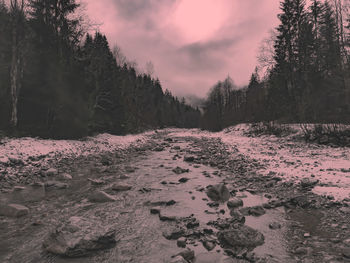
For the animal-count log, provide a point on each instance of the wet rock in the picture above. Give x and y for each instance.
(121, 187)
(166, 216)
(173, 233)
(242, 237)
(101, 197)
(79, 237)
(56, 184)
(179, 170)
(253, 211)
(183, 180)
(96, 181)
(51, 172)
(346, 252)
(13, 210)
(209, 244)
(181, 242)
(218, 193)
(178, 259)
(189, 158)
(65, 176)
(274, 225)
(234, 203)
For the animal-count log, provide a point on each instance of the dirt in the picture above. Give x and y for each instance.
(297, 224)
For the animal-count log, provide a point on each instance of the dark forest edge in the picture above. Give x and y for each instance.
(59, 82)
(307, 74)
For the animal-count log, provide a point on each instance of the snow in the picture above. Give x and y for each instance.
(22, 148)
(289, 159)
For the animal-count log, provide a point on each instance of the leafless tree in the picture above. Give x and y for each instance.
(119, 56)
(266, 53)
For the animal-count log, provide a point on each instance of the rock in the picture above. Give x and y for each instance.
(18, 188)
(101, 197)
(179, 170)
(15, 161)
(193, 223)
(178, 259)
(242, 237)
(301, 251)
(308, 183)
(79, 237)
(181, 242)
(121, 187)
(209, 244)
(300, 200)
(346, 252)
(166, 216)
(173, 233)
(189, 158)
(155, 210)
(274, 225)
(56, 184)
(218, 192)
(13, 210)
(96, 181)
(237, 216)
(183, 180)
(65, 176)
(234, 203)
(187, 254)
(158, 149)
(51, 172)
(253, 211)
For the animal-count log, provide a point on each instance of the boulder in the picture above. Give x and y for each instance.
(218, 193)
(101, 197)
(13, 210)
(234, 203)
(173, 233)
(242, 237)
(51, 172)
(121, 187)
(189, 158)
(79, 237)
(178, 259)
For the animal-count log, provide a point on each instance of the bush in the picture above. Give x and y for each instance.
(269, 128)
(327, 134)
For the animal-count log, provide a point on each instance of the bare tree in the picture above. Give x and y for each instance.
(16, 72)
(119, 56)
(266, 53)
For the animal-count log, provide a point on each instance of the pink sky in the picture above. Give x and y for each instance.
(192, 43)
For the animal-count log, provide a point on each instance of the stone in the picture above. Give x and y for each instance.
(173, 233)
(300, 200)
(187, 254)
(101, 197)
(179, 170)
(346, 252)
(189, 158)
(218, 193)
(308, 183)
(181, 242)
(79, 237)
(183, 180)
(13, 210)
(56, 184)
(158, 149)
(166, 216)
(178, 259)
(155, 210)
(242, 237)
(234, 203)
(121, 187)
(274, 225)
(96, 181)
(209, 244)
(253, 211)
(51, 172)
(65, 176)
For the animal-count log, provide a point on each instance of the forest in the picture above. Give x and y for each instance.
(303, 75)
(58, 80)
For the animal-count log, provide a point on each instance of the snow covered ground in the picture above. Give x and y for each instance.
(23, 148)
(290, 159)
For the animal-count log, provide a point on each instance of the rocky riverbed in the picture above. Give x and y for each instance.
(172, 197)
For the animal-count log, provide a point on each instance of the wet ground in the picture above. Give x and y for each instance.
(140, 234)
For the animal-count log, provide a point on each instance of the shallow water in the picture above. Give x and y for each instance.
(139, 233)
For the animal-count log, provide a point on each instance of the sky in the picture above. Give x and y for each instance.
(191, 43)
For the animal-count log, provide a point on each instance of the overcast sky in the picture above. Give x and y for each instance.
(192, 43)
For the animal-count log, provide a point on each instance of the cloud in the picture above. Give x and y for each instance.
(189, 52)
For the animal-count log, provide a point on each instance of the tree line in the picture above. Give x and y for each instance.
(306, 71)
(58, 81)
